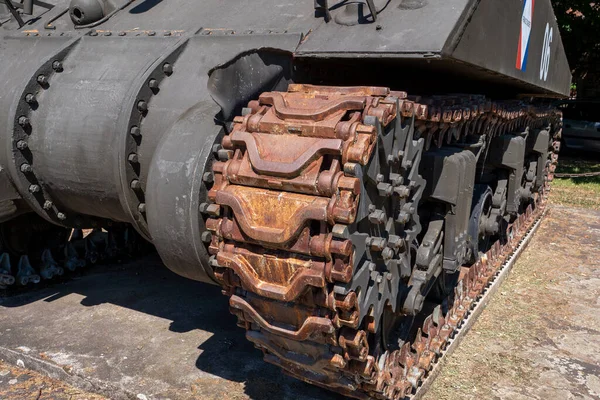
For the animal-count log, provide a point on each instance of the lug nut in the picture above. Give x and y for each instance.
(47, 205)
(57, 66)
(24, 121)
(34, 188)
(377, 217)
(26, 168)
(142, 208)
(142, 106)
(21, 145)
(385, 189)
(135, 184)
(153, 84)
(133, 158)
(61, 216)
(42, 80)
(135, 131)
(168, 69)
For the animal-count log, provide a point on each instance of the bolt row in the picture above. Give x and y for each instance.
(22, 145)
(136, 134)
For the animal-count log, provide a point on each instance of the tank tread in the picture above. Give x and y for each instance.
(57, 251)
(283, 212)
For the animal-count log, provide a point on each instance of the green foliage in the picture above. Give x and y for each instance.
(579, 22)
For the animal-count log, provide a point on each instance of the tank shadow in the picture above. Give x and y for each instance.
(146, 286)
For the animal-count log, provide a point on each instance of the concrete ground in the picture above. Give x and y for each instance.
(139, 331)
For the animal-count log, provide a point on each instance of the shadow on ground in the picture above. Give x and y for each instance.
(194, 310)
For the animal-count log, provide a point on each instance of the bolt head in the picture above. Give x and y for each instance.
(57, 66)
(133, 158)
(167, 69)
(47, 205)
(142, 208)
(206, 237)
(34, 188)
(61, 216)
(153, 84)
(22, 145)
(25, 168)
(142, 106)
(135, 131)
(151, 33)
(24, 121)
(135, 184)
(42, 80)
(30, 98)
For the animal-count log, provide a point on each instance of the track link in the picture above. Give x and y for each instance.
(287, 217)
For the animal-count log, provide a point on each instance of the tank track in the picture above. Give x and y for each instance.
(44, 252)
(313, 219)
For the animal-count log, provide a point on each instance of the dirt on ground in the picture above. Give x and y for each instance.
(539, 338)
(18, 383)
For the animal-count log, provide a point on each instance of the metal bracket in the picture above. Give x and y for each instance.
(14, 12)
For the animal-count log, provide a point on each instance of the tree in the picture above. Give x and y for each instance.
(579, 23)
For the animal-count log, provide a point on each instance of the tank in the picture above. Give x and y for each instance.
(354, 175)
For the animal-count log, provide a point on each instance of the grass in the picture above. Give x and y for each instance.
(578, 192)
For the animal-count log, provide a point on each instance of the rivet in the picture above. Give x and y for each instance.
(135, 131)
(61, 216)
(133, 158)
(22, 145)
(107, 33)
(151, 33)
(24, 121)
(34, 188)
(25, 168)
(167, 33)
(30, 98)
(57, 66)
(94, 33)
(167, 69)
(42, 80)
(142, 106)
(142, 208)
(47, 205)
(135, 184)
(122, 33)
(153, 84)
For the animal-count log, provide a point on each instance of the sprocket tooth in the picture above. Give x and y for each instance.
(49, 267)
(72, 260)
(25, 272)
(6, 277)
